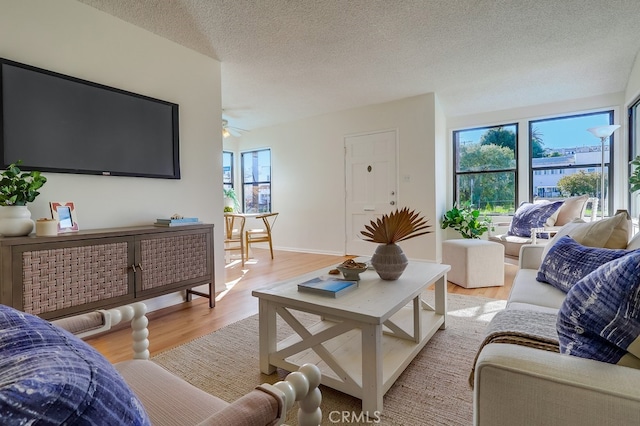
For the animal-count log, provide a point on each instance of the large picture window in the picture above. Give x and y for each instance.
(485, 168)
(256, 181)
(566, 159)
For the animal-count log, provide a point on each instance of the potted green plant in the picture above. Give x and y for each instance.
(231, 200)
(389, 260)
(17, 188)
(466, 220)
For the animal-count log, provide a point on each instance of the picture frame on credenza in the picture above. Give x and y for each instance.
(65, 213)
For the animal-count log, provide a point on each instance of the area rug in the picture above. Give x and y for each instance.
(433, 390)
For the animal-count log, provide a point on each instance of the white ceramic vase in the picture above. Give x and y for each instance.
(228, 202)
(389, 261)
(15, 221)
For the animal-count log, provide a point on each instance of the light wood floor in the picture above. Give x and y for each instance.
(179, 324)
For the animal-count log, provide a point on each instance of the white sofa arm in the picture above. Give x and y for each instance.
(530, 256)
(518, 385)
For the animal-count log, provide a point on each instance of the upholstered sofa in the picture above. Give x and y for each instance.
(49, 376)
(524, 384)
(541, 215)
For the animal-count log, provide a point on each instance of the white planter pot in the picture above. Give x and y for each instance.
(15, 221)
(228, 202)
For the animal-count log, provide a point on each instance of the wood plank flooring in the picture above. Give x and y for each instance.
(182, 323)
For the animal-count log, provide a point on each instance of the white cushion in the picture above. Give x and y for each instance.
(634, 244)
(611, 232)
(571, 209)
(527, 290)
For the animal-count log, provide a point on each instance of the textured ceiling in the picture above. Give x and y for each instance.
(288, 59)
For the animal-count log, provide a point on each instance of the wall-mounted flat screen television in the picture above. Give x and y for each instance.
(57, 123)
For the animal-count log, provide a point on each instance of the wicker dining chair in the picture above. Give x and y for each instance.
(234, 234)
(263, 234)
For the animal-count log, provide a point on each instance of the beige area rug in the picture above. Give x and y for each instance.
(433, 390)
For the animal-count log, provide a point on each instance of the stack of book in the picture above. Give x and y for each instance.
(177, 222)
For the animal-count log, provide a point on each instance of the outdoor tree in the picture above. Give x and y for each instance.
(507, 138)
(537, 146)
(500, 137)
(580, 183)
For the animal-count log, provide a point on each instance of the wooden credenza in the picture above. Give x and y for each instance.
(72, 273)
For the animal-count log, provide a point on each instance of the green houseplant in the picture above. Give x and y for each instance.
(466, 220)
(389, 260)
(17, 188)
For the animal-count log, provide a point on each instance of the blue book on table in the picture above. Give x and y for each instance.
(181, 220)
(328, 287)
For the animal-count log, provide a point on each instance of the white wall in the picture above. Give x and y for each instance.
(633, 86)
(308, 165)
(72, 38)
(308, 172)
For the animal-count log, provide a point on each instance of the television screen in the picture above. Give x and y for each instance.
(57, 123)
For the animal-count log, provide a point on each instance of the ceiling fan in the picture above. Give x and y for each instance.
(231, 130)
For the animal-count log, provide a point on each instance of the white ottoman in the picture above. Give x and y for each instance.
(474, 263)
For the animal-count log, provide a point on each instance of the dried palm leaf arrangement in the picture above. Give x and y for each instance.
(396, 226)
(388, 260)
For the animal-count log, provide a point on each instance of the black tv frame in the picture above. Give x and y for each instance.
(174, 111)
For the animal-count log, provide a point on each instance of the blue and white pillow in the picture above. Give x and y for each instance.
(50, 377)
(568, 261)
(600, 317)
(532, 216)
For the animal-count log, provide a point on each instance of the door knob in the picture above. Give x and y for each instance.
(393, 203)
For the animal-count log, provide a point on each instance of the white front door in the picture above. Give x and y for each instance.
(371, 184)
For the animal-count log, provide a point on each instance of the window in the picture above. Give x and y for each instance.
(570, 157)
(634, 150)
(256, 181)
(227, 169)
(485, 168)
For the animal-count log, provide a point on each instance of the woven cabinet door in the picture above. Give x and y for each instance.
(67, 278)
(173, 260)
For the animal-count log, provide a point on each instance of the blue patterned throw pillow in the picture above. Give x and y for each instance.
(600, 317)
(50, 377)
(531, 216)
(568, 261)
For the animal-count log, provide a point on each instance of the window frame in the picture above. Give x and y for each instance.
(609, 166)
(256, 183)
(633, 117)
(456, 160)
(231, 183)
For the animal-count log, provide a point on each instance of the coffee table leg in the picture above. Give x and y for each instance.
(441, 299)
(267, 334)
(372, 386)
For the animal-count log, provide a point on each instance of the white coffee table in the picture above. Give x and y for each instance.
(364, 339)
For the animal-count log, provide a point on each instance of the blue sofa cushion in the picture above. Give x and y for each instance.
(600, 317)
(529, 216)
(568, 261)
(50, 377)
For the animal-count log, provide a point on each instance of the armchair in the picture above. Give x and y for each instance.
(80, 382)
(573, 208)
